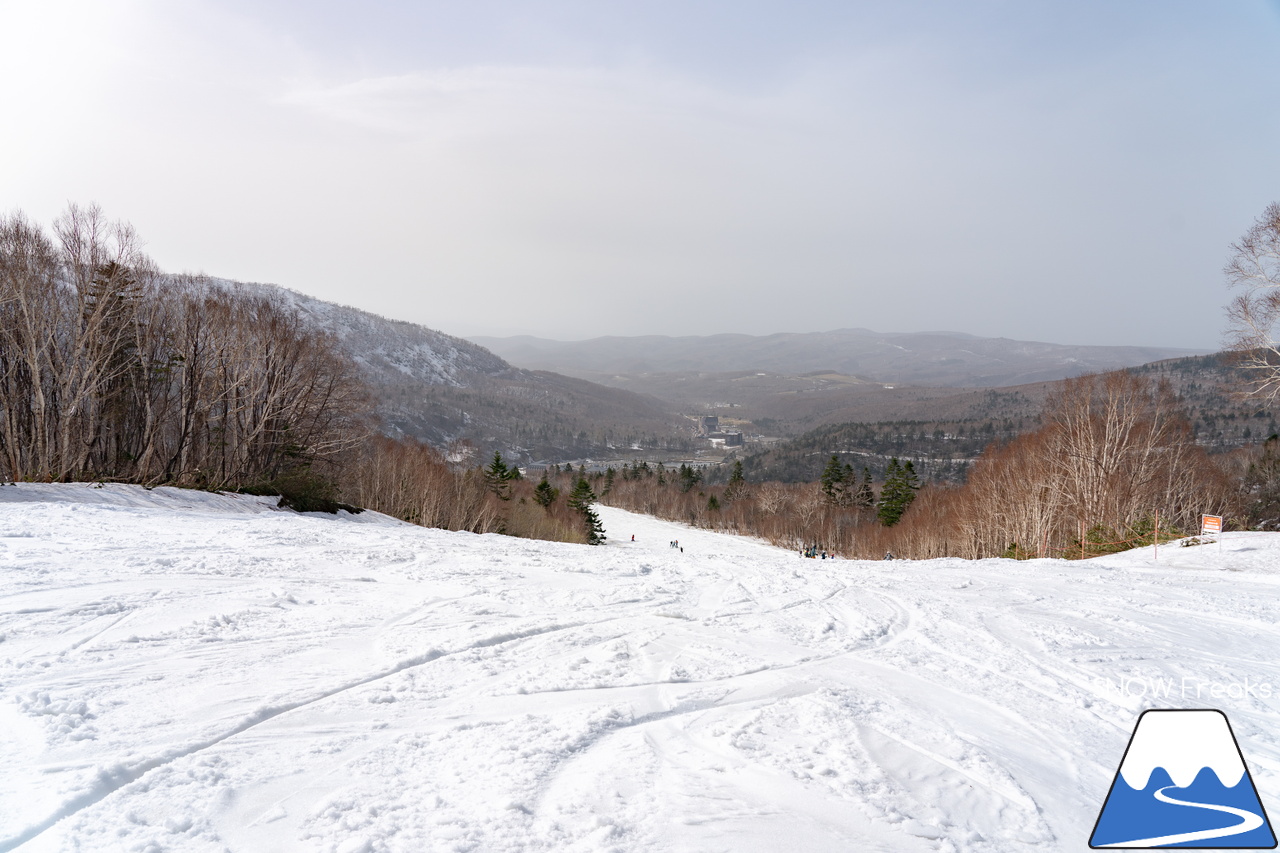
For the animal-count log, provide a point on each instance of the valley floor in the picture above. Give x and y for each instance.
(184, 671)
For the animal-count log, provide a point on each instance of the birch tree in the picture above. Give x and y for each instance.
(1254, 272)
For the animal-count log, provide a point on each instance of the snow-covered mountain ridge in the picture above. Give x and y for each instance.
(383, 344)
(441, 389)
(183, 671)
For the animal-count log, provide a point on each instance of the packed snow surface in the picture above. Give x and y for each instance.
(184, 671)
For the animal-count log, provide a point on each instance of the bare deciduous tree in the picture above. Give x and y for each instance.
(1114, 450)
(111, 370)
(1254, 269)
(29, 307)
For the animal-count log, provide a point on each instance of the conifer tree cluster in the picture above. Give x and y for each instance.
(839, 485)
(900, 486)
(689, 477)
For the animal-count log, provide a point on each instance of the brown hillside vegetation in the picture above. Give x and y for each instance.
(413, 482)
(1114, 455)
(946, 435)
(111, 370)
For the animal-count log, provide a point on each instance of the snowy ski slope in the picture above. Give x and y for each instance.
(184, 671)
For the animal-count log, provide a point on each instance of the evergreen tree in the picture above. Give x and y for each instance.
(713, 505)
(900, 484)
(737, 483)
(544, 494)
(836, 482)
(498, 477)
(608, 482)
(689, 477)
(912, 481)
(580, 501)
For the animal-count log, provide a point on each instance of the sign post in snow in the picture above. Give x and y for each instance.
(1210, 525)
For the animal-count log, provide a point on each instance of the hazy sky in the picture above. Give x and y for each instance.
(1069, 171)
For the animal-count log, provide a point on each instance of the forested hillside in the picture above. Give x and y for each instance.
(940, 450)
(1213, 392)
(1209, 390)
(110, 369)
(447, 391)
(113, 370)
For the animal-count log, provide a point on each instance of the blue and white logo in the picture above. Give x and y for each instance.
(1183, 783)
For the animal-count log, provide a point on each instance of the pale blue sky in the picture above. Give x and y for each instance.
(1068, 171)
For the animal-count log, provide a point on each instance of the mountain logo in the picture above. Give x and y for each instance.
(1183, 783)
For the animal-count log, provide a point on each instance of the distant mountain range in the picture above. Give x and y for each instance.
(948, 359)
(619, 397)
(449, 391)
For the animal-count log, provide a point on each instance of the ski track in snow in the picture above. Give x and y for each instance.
(182, 671)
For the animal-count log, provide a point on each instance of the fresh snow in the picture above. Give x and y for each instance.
(186, 671)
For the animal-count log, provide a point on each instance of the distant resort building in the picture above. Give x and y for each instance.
(709, 428)
(725, 439)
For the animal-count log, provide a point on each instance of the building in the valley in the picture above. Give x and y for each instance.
(725, 439)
